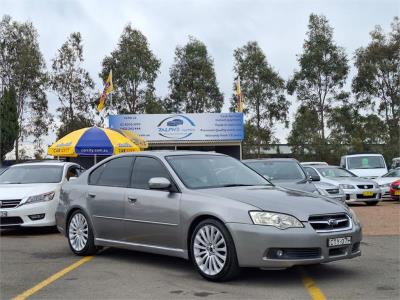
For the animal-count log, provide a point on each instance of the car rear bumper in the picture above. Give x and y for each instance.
(255, 245)
(25, 215)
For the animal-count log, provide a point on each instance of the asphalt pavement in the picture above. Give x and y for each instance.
(29, 256)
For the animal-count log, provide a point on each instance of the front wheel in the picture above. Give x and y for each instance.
(80, 235)
(213, 251)
(372, 203)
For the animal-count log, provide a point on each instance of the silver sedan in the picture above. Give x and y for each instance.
(209, 208)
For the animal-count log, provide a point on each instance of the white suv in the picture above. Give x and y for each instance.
(369, 165)
(29, 192)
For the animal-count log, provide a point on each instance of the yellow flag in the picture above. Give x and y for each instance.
(239, 96)
(108, 88)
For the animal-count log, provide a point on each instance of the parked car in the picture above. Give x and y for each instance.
(209, 208)
(395, 190)
(312, 163)
(288, 173)
(368, 165)
(385, 181)
(355, 188)
(29, 192)
(395, 163)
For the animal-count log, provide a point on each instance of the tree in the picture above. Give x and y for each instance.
(263, 93)
(323, 72)
(73, 86)
(22, 67)
(377, 82)
(135, 68)
(8, 122)
(303, 137)
(193, 84)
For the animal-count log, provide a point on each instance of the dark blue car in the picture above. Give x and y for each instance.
(175, 122)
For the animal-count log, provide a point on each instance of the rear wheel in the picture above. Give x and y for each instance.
(372, 203)
(213, 251)
(80, 235)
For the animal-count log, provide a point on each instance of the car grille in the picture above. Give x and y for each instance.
(294, 253)
(9, 203)
(361, 196)
(329, 223)
(365, 186)
(333, 191)
(10, 221)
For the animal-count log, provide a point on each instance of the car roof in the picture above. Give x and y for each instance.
(44, 163)
(362, 154)
(269, 159)
(164, 153)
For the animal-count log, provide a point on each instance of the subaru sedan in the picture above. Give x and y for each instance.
(208, 208)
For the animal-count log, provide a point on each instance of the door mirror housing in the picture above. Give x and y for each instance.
(159, 183)
(315, 178)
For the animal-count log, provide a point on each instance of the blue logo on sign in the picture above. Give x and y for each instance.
(176, 127)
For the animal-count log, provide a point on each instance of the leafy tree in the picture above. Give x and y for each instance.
(135, 68)
(73, 86)
(377, 82)
(22, 67)
(8, 122)
(193, 84)
(303, 137)
(323, 72)
(263, 93)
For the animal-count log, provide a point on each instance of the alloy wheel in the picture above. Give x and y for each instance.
(78, 232)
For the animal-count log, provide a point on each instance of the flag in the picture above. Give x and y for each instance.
(239, 96)
(108, 88)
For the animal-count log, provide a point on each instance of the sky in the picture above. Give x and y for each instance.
(279, 26)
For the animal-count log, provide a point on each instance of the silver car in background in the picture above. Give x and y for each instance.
(356, 189)
(209, 208)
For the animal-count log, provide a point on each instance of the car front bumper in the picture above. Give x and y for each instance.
(22, 215)
(254, 244)
(357, 195)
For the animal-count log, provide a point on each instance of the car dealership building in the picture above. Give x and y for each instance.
(219, 132)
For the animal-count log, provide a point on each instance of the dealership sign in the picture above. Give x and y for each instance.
(188, 127)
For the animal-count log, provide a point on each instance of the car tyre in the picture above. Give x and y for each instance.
(80, 234)
(372, 203)
(213, 252)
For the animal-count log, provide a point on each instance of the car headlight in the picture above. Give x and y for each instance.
(354, 216)
(40, 198)
(277, 220)
(385, 185)
(346, 186)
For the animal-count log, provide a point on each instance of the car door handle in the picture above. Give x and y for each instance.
(132, 200)
(91, 195)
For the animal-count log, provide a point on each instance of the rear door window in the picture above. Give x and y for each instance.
(116, 172)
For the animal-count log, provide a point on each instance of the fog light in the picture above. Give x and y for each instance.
(36, 217)
(279, 253)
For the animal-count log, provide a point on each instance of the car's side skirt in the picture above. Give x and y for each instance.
(143, 247)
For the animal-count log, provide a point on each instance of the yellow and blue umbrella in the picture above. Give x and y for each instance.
(92, 141)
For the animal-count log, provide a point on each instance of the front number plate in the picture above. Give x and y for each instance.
(397, 193)
(340, 241)
(368, 194)
(3, 213)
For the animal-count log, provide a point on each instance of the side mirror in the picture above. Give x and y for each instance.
(159, 183)
(315, 178)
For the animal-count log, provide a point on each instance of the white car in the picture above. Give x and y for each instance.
(369, 165)
(385, 180)
(29, 192)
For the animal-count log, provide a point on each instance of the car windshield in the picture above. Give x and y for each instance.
(278, 170)
(335, 172)
(393, 173)
(213, 171)
(32, 174)
(366, 162)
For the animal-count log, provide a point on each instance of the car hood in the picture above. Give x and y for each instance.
(277, 199)
(352, 180)
(384, 180)
(21, 191)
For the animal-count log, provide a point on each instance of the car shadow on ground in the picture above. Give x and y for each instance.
(248, 276)
(28, 231)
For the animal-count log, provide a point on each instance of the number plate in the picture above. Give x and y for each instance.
(397, 193)
(340, 241)
(368, 194)
(3, 213)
